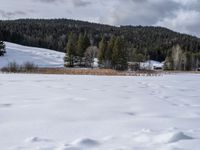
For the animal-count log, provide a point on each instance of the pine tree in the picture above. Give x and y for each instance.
(80, 48)
(86, 43)
(188, 64)
(109, 51)
(102, 51)
(119, 59)
(82, 45)
(2, 48)
(70, 50)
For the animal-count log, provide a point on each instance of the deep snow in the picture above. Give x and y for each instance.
(57, 112)
(39, 56)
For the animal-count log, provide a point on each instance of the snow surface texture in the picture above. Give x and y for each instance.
(39, 56)
(57, 112)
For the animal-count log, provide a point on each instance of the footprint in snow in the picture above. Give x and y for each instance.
(78, 99)
(86, 142)
(37, 139)
(81, 144)
(5, 105)
(130, 113)
(172, 137)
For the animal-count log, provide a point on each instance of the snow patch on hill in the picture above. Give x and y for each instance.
(39, 56)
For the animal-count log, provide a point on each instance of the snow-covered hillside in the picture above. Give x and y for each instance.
(57, 112)
(40, 57)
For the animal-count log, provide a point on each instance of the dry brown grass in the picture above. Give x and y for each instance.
(77, 71)
(179, 72)
(107, 72)
(99, 72)
(33, 69)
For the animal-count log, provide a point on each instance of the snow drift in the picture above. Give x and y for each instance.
(58, 112)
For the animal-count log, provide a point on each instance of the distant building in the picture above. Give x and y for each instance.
(133, 66)
(151, 65)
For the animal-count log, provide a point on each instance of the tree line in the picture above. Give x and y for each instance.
(110, 54)
(2, 48)
(178, 59)
(54, 33)
(139, 43)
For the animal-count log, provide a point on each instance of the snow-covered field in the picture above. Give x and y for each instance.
(57, 112)
(39, 56)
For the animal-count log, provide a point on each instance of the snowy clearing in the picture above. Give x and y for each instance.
(39, 56)
(56, 112)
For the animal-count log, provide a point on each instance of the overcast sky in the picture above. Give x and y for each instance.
(178, 15)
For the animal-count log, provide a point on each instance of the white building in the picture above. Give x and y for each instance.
(151, 65)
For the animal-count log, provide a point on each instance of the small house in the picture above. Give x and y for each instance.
(151, 65)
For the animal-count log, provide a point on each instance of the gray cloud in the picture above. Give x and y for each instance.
(185, 21)
(179, 15)
(11, 14)
(139, 1)
(142, 12)
(81, 3)
(48, 1)
(76, 3)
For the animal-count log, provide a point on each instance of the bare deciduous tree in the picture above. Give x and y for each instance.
(90, 54)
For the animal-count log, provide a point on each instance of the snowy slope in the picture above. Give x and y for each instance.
(41, 57)
(57, 112)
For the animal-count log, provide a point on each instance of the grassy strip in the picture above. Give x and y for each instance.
(31, 68)
(107, 72)
(99, 72)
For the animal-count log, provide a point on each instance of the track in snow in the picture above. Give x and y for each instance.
(58, 112)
